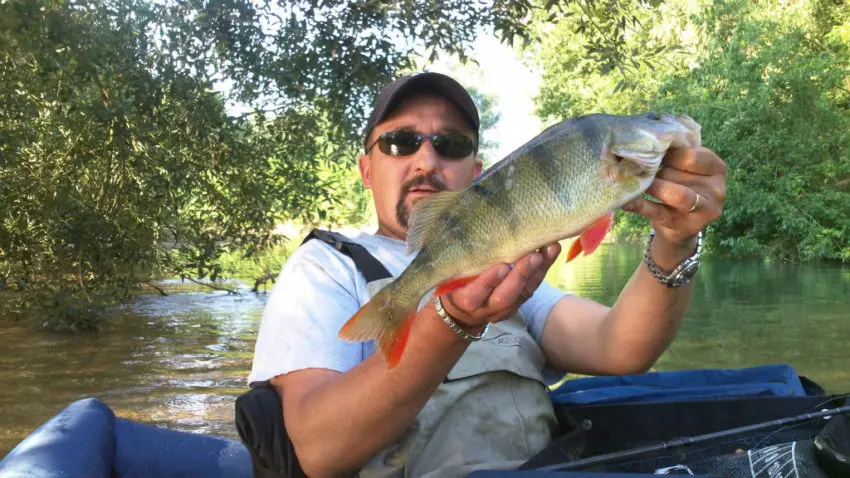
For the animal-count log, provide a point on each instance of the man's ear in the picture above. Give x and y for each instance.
(365, 171)
(479, 165)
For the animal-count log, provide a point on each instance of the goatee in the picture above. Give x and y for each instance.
(402, 212)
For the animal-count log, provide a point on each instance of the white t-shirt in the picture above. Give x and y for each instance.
(319, 289)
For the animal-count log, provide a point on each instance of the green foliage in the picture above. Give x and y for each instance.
(769, 84)
(603, 29)
(261, 267)
(144, 137)
(115, 161)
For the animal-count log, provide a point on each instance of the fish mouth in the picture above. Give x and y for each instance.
(641, 162)
(645, 142)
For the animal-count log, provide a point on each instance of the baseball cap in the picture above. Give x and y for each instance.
(425, 82)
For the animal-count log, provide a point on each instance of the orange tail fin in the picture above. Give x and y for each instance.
(394, 348)
(590, 239)
(388, 324)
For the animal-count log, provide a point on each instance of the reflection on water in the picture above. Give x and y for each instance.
(180, 361)
(742, 313)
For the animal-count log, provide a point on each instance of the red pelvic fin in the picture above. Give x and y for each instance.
(590, 239)
(575, 250)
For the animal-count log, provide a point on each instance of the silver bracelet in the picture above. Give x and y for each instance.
(438, 306)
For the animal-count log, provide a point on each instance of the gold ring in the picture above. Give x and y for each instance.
(695, 204)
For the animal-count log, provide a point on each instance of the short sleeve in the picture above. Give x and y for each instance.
(536, 309)
(315, 294)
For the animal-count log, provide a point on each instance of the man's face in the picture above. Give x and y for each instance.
(398, 182)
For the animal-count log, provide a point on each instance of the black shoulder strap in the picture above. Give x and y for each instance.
(371, 268)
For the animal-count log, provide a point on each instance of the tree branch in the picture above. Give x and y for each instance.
(255, 111)
(262, 280)
(161, 292)
(211, 286)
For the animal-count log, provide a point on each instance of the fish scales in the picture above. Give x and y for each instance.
(501, 226)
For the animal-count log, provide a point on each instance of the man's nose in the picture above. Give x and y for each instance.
(427, 158)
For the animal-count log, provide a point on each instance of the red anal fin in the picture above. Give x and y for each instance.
(591, 237)
(392, 347)
(453, 284)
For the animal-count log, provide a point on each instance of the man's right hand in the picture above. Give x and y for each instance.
(499, 291)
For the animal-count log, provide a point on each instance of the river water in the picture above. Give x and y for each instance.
(180, 361)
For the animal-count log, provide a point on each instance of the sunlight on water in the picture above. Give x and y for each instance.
(180, 361)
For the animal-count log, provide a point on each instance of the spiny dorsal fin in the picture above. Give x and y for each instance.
(425, 218)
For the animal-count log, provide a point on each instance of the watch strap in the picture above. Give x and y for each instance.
(677, 277)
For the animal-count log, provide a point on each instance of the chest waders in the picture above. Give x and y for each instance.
(492, 408)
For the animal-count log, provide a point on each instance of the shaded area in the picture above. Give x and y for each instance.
(181, 360)
(177, 361)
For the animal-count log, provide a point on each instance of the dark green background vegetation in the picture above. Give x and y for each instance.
(770, 84)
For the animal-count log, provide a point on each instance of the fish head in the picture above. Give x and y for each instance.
(637, 144)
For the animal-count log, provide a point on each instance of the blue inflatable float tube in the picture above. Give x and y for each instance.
(86, 439)
(560, 474)
(768, 380)
(77, 442)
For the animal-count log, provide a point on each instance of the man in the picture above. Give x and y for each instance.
(455, 403)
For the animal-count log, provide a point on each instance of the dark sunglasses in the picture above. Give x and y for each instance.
(452, 145)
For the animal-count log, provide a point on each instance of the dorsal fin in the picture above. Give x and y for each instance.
(425, 218)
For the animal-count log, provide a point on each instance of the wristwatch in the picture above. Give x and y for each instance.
(682, 274)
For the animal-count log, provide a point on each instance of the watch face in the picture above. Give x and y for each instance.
(688, 271)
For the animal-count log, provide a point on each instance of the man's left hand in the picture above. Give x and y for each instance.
(691, 188)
